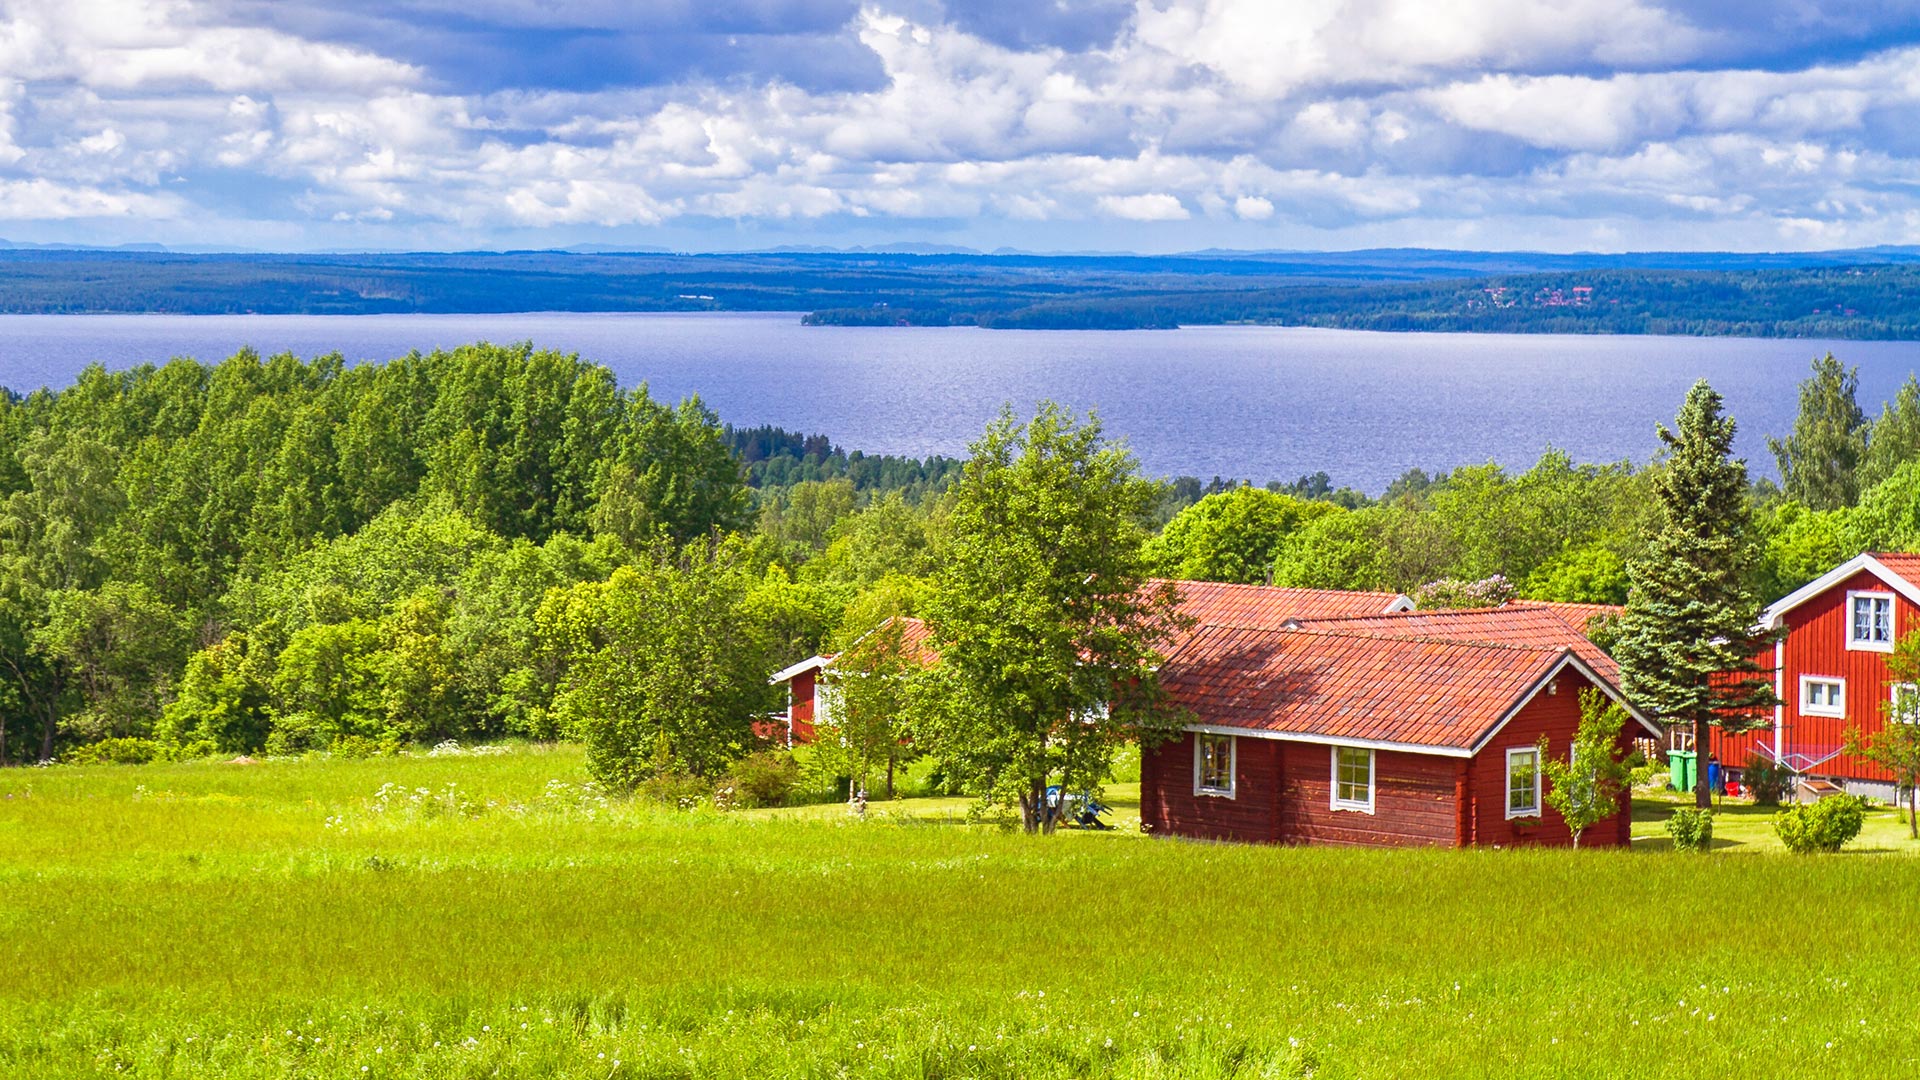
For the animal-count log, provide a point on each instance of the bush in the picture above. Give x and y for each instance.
(116, 752)
(678, 789)
(765, 779)
(1769, 782)
(1823, 826)
(1691, 829)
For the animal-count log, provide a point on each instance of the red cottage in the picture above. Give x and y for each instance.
(1306, 736)
(806, 701)
(1831, 670)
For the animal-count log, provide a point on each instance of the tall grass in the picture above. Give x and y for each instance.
(280, 920)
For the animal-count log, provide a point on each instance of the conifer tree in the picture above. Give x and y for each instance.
(1688, 641)
(1820, 461)
(1894, 439)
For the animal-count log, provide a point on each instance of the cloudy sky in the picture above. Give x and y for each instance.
(1150, 125)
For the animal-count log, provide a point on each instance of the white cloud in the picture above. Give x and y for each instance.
(44, 200)
(1253, 208)
(1157, 206)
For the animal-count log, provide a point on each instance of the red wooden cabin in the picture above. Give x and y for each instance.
(808, 700)
(1830, 669)
(1370, 737)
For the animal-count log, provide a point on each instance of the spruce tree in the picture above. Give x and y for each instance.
(1688, 644)
(1894, 439)
(1820, 461)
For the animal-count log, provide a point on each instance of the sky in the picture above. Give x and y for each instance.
(1043, 125)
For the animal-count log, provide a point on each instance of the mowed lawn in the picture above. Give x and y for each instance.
(281, 920)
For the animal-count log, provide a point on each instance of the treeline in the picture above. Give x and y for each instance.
(1865, 302)
(776, 459)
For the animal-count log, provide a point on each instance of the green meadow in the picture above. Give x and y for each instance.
(489, 915)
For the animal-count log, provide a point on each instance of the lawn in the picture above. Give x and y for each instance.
(287, 920)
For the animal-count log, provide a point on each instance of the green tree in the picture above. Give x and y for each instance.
(328, 686)
(664, 669)
(1338, 551)
(1585, 789)
(1896, 746)
(1586, 574)
(1799, 545)
(867, 727)
(1894, 439)
(1820, 461)
(223, 704)
(1888, 517)
(1687, 642)
(1043, 618)
(1231, 536)
(119, 645)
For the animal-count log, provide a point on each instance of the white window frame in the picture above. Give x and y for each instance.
(1893, 698)
(1233, 766)
(1833, 711)
(1507, 798)
(1333, 789)
(1858, 644)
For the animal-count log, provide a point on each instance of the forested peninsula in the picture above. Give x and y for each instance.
(1865, 294)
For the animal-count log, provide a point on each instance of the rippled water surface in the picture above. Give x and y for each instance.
(1260, 402)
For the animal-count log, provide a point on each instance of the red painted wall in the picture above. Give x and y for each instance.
(1816, 644)
(1283, 794)
(800, 705)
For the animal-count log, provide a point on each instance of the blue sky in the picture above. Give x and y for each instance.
(1155, 125)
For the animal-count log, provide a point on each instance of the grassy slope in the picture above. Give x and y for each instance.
(181, 921)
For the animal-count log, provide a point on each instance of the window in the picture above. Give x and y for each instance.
(1870, 621)
(1352, 779)
(1523, 782)
(1213, 764)
(1823, 697)
(1906, 703)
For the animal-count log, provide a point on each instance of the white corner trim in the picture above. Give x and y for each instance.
(1398, 604)
(1512, 751)
(1334, 800)
(1233, 767)
(1770, 619)
(1855, 644)
(809, 664)
(1838, 712)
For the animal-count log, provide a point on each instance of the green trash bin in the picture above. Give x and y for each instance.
(1681, 769)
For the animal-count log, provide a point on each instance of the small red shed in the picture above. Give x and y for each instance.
(809, 701)
(1302, 736)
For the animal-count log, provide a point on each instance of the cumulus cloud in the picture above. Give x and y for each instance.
(1502, 123)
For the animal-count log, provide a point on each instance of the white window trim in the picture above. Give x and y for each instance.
(1893, 698)
(1855, 644)
(1507, 798)
(1832, 711)
(1233, 767)
(1333, 789)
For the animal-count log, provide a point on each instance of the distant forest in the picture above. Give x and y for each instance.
(1869, 294)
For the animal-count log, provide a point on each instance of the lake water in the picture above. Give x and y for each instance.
(1255, 402)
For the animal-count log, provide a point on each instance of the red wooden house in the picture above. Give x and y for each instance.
(1831, 670)
(1374, 736)
(808, 701)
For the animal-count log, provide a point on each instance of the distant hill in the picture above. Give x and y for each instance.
(1865, 293)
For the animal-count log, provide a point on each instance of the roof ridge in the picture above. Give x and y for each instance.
(1422, 638)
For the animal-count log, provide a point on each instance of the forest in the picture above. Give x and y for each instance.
(275, 556)
(1865, 294)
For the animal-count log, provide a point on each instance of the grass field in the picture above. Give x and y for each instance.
(283, 920)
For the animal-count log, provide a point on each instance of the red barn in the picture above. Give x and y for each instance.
(1303, 736)
(1831, 669)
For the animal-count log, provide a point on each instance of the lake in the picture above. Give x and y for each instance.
(1238, 401)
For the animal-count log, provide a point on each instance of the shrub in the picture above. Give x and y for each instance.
(679, 789)
(766, 778)
(1769, 782)
(116, 752)
(1691, 829)
(1823, 826)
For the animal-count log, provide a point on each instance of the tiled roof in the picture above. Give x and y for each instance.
(1218, 603)
(1580, 615)
(1418, 692)
(1538, 625)
(1905, 564)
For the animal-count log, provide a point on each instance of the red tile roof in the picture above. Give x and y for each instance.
(1443, 695)
(1902, 563)
(1580, 615)
(1218, 603)
(1541, 625)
